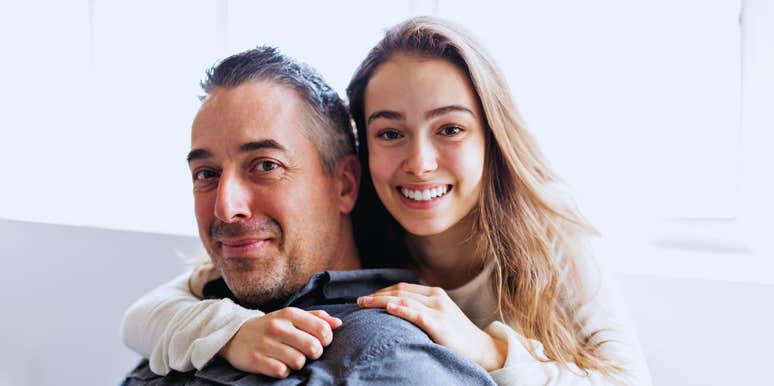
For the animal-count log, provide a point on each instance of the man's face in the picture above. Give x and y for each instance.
(268, 214)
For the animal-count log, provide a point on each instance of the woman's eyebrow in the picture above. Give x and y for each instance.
(395, 115)
(386, 114)
(447, 109)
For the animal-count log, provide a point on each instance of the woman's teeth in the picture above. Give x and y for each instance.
(425, 195)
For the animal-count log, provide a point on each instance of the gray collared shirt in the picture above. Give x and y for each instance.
(370, 348)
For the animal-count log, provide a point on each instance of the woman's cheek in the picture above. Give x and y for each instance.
(469, 164)
(380, 167)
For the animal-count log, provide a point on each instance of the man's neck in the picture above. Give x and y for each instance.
(347, 257)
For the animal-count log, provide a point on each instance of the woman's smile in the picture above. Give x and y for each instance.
(423, 196)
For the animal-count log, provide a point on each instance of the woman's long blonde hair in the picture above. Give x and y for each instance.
(533, 239)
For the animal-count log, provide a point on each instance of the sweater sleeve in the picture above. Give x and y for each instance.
(605, 312)
(177, 331)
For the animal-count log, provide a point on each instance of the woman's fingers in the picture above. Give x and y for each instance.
(286, 354)
(410, 287)
(318, 327)
(256, 347)
(381, 300)
(302, 331)
(282, 340)
(404, 307)
(332, 321)
(432, 310)
(268, 366)
(439, 301)
(418, 316)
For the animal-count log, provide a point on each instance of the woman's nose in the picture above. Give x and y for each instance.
(421, 158)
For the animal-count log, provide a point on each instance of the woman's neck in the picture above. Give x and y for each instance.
(449, 259)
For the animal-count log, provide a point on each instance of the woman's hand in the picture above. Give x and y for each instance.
(274, 343)
(433, 311)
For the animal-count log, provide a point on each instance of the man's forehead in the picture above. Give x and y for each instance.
(255, 112)
(254, 100)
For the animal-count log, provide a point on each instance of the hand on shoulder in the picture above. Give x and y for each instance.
(279, 341)
(432, 310)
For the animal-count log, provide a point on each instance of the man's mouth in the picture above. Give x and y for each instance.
(425, 193)
(241, 242)
(239, 247)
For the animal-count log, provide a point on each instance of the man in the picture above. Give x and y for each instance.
(275, 178)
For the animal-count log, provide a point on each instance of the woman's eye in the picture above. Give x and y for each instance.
(450, 130)
(267, 166)
(389, 134)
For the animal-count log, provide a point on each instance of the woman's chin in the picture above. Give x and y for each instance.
(425, 228)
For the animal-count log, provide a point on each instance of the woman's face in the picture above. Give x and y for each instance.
(425, 142)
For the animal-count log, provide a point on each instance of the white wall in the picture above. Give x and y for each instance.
(656, 113)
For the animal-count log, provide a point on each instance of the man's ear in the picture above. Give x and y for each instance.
(348, 182)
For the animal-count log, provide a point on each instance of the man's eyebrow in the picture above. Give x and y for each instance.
(447, 109)
(387, 114)
(197, 154)
(262, 144)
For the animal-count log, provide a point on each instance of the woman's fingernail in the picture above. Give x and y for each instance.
(364, 299)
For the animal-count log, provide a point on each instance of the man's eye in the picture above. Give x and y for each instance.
(203, 175)
(389, 135)
(267, 166)
(450, 130)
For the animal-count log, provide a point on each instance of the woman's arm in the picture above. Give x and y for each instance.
(176, 330)
(605, 311)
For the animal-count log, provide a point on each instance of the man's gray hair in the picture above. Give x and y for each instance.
(332, 131)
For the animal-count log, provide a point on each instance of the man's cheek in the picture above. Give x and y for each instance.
(204, 218)
(203, 209)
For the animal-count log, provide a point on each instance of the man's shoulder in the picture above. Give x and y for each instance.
(374, 347)
(366, 332)
(142, 375)
(371, 347)
(365, 335)
(363, 321)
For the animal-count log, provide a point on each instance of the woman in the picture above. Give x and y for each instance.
(456, 184)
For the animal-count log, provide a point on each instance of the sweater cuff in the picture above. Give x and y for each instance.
(206, 348)
(519, 363)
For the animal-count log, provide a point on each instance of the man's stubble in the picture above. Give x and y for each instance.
(256, 281)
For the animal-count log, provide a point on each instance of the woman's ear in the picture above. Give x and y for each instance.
(348, 177)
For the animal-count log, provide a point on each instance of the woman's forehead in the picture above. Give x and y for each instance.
(418, 83)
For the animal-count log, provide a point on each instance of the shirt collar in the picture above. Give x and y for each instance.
(327, 287)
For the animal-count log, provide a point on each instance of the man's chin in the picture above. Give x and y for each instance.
(266, 299)
(253, 287)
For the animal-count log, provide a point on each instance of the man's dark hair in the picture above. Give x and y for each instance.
(331, 131)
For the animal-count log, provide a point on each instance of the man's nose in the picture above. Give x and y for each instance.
(232, 202)
(421, 158)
